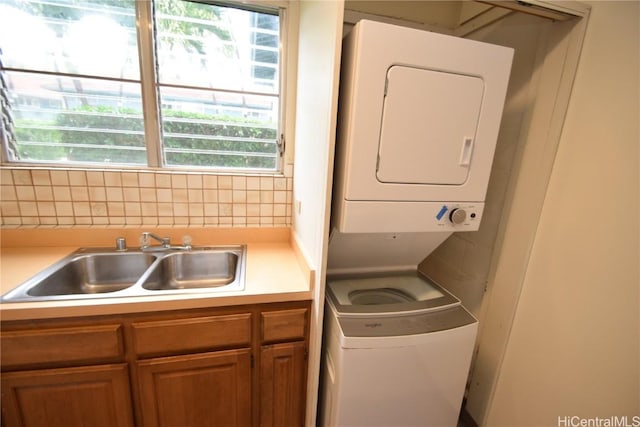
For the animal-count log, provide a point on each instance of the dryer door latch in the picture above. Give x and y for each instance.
(465, 153)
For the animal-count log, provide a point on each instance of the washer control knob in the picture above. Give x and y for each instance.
(458, 216)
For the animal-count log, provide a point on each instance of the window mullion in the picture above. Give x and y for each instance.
(144, 17)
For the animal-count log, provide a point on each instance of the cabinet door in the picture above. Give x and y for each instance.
(207, 389)
(96, 396)
(283, 381)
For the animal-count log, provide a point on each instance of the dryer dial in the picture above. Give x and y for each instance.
(458, 216)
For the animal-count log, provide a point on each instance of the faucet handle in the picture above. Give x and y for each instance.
(144, 240)
(186, 241)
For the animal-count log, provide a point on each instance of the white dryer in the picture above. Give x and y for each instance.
(397, 352)
(419, 115)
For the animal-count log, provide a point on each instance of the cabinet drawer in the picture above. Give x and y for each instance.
(199, 333)
(284, 325)
(59, 345)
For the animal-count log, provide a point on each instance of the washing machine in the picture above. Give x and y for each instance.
(397, 352)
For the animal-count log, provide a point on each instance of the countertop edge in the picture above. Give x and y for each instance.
(34, 311)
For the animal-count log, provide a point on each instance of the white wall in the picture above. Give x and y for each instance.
(573, 349)
(319, 47)
(318, 67)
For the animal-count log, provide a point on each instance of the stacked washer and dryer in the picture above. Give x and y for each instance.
(419, 115)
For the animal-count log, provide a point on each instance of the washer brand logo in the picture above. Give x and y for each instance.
(373, 325)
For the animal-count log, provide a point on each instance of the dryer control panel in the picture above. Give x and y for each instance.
(459, 215)
(408, 217)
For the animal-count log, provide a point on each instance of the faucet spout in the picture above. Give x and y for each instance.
(145, 240)
(165, 243)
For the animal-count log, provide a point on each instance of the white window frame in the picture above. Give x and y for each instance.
(287, 12)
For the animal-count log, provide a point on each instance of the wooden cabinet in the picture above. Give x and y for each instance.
(232, 366)
(282, 384)
(59, 346)
(206, 389)
(97, 394)
(284, 325)
(191, 334)
(87, 396)
(283, 367)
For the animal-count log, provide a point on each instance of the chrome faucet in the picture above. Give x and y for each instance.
(145, 243)
(165, 243)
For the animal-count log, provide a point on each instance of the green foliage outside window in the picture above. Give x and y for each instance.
(85, 135)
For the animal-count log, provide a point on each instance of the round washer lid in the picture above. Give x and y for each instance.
(386, 293)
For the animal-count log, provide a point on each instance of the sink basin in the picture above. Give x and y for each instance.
(192, 270)
(93, 274)
(103, 273)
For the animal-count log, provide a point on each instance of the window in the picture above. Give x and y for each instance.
(193, 85)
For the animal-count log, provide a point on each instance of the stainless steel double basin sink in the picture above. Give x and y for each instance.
(106, 273)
